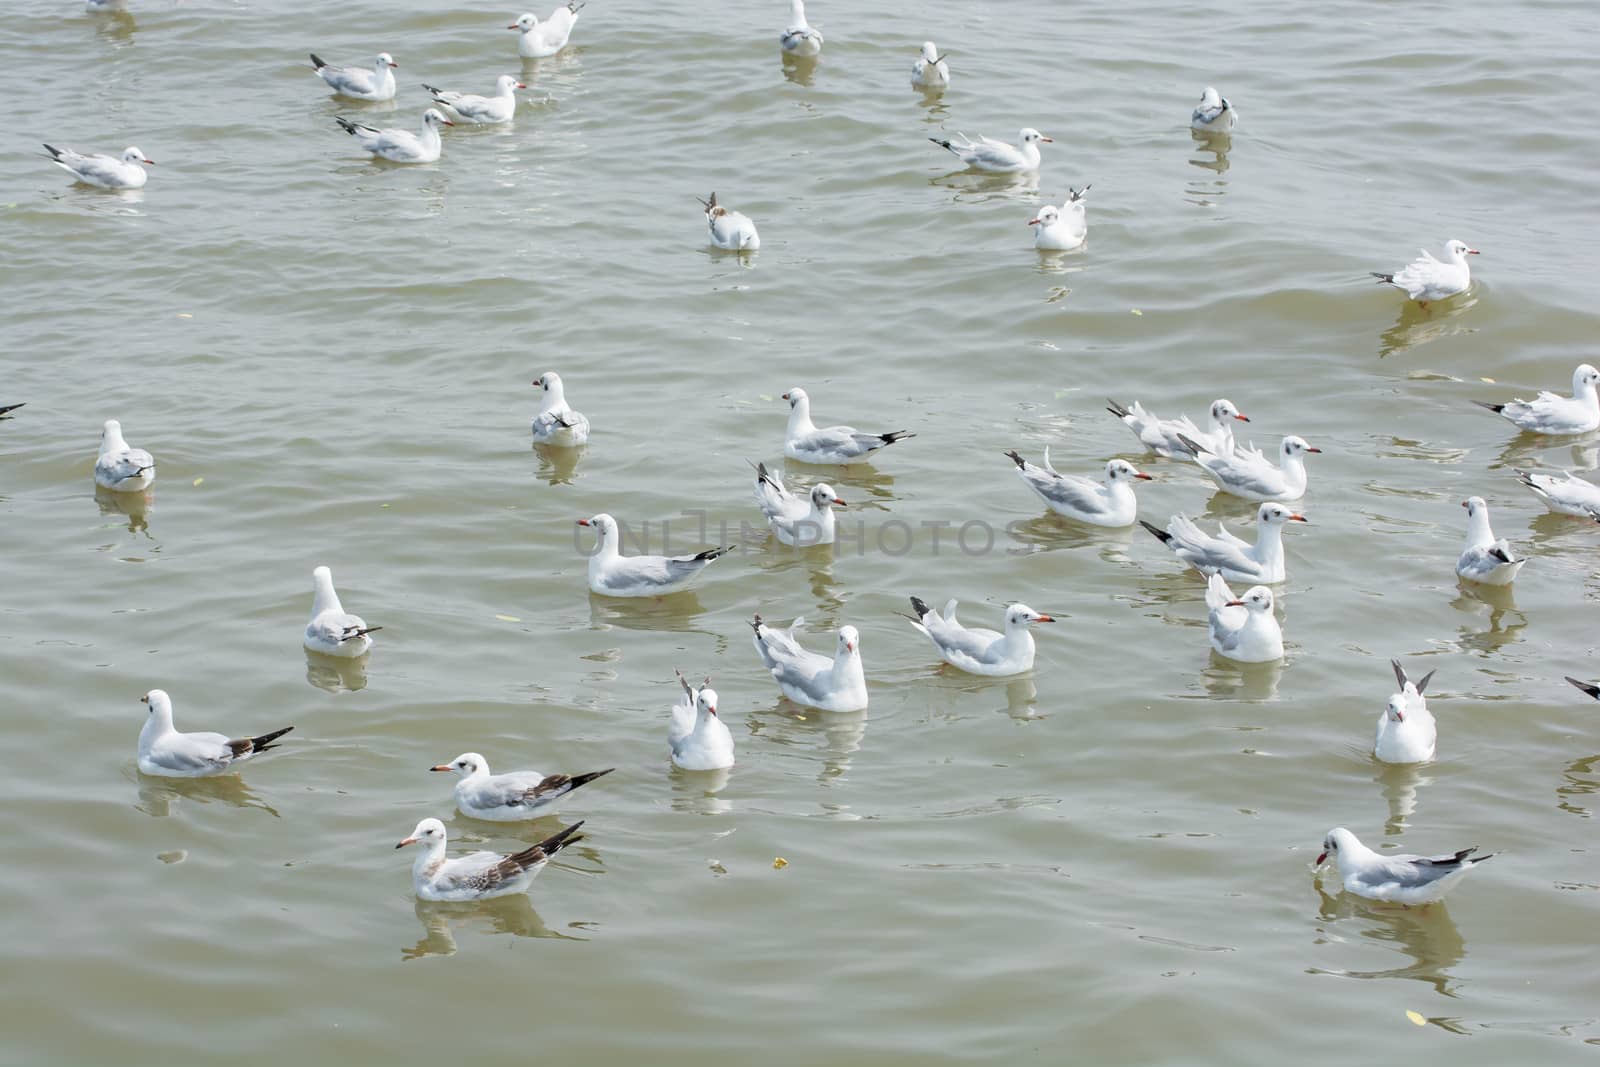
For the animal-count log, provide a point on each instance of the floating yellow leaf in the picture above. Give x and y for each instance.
(508, 618)
(1489, 380)
(1417, 1017)
(779, 864)
(197, 481)
(1136, 311)
(184, 315)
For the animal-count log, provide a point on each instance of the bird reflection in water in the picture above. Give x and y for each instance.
(335, 674)
(1426, 934)
(160, 797)
(135, 506)
(1048, 532)
(1226, 679)
(1582, 780)
(1417, 326)
(512, 915)
(791, 725)
(1534, 451)
(558, 466)
(800, 70)
(1211, 153)
(1505, 621)
(695, 792)
(1400, 782)
(675, 611)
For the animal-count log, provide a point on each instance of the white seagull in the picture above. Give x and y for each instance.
(730, 229)
(401, 146)
(167, 753)
(1061, 229)
(1215, 114)
(836, 684)
(1232, 557)
(481, 110)
(359, 83)
(1485, 559)
(479, 875)
(697, 737)
(541, 39)
(979, 651)
(1427, 279)
(798, 521)
(1566, 494)
(1248, 474)
(1110, 503)
(1406, 730)
(930, 71)
(556, 423)
(123, 469)
(333, 631)
(509, 797)
(108, 172)
(996, 157)
(1554, 414)
(1244, 628)
(1395, 877)
(1161, 436)
(799, 39)
(613, 574)
(832, 445)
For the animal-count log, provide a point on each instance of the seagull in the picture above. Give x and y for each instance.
(1061, 229)
(798, 521)
(358, 83)
(1215, 114)
(613, 574)
(1161, 435)
(1243, 628)
(7, 409)
(1564, 495)
(556, 423)
(930, 71)
(1248, 474)
(836, 684)
(481, 110)
(1427, 279)
(542, 39)
(1588, 687)
(980, 651)
(480, 875)
(401, 146)
(697, 737)
(167, 753)
(1394, 876)
(120, 468)
(997, 157)
(1554, 414)
(108, 172)
(730, 229)
(513, 796)
(1406, 730)
(832, 445)
(1084, 499)
(333, 631)
(1485, 560)
(1227, 555)
(799, 39)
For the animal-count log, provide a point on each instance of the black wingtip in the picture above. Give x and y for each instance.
(1194, 447)
(897, 435)
(316, 63)
(1501, 554)
(9, 408)
(941, 144)
(560, 840)
(585, 779)
(755, 623)
(1017, 459)
(345, 124)
(1383, 279)
(1159, 534)
(1496, 408)
(1116, 409)
(712, 553)
(1588, 687)
(264, 742)
(430, 88)
(55, 153)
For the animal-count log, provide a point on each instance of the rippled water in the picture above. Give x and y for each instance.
(1108, 861)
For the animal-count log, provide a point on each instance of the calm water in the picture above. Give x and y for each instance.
(1108, 859)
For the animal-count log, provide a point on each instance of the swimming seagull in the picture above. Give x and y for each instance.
(1061, 229)
(542, 39)
(799, 39)
(1406, 730)
(512, 796)
(978, 651)
(359, 83)
(1243, 628)
(836, 684)
(400, 146)
(1110, 503)
(1554, 414)
(1161, 436)
(697, 737)
(1426, 279)
(798, 521)
(1485, 560)
(930, 71)
(996, 157)
(1227, 555)
(730, 229)
(1564, 495)
(108, 172)
(481, 110)
(333, 631)
(1215, 114)
(832, 445)
(556, 423)
(120, 468)
(1395, 877)
(167, 753)
(480, 875)
(1248, 474)
(613, 574)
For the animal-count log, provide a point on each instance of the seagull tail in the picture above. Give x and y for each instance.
(264, 742)
(316, 63)
(357, 633)
(584, 779)
(1117, 409)
(345, 124)
(1016, 458)
(897, 435)
(1496, 408)
(943, 144)
(1383, 279)
(1159, 534)
(1193, 447)
(9, 408)
(55, 153)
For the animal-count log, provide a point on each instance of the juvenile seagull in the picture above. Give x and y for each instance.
(481, 110)
(1485, 559)
(333, 631)
(832, 445)
(120, 468)
(108, 172)
(1111, 503)
(401, 146)
(1243, 628)
(1395, 877)
(556, 423)
(1162, 436)
(836, 684)
(730, 229)
(613, 574)
(541, 39)
(166, 753)
(1427, 279)
(798, 521)
(1248, 474)
(1554, 414)
(509, 797)
(1565, 495)
(978, 651)
(1227, 555)
(1215, 114)
(1061, 229)
(479, 875)
(697, 737)
(358, 83)
(930, 71)
(996, 157)
(799, 39)
(1406, 730)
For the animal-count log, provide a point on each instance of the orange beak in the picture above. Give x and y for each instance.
(442, 767)
(839, 503)
(1142, 476)
(1045, 618)
(1033, 222)
(1473, 252)
(151, 162)
(1242, 418)
(583, 522)
(1318, 451)
(407, 841)
(1298, 518)
(1234, 604)
(513, 26)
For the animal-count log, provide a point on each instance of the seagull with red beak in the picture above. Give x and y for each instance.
(1395, 877)
(1406, 731)
(809, 679)
(1111, 503)
(988, 156)
(698, 738)
(979, 651)
(1243, 629)
(1426, 279)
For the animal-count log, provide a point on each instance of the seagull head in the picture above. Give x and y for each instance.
(1585, 377)
(1047, 216)
(1457, 249)
(930, 54)
(1331, 843)
(1257, 599)
(1210, 98)
(433, 117)
(466, 765)
(796, 397)
(849, 641)
(823, 497)
(428, 830)
(1278, 515)
(1222, 410)
(133, 154)
(1296, 446)
(525, 23)
(1030, 135)
(158, 702)
(1120, 470)
(706, 700)
(601, 524)
(1022, 615)
(549, 381)
(505, 83)
(384, 61)
(1475, 506)
(1397, 708)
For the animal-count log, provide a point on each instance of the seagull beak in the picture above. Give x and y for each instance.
(407, 841)
(144, 699)
(1321, 858)
(1399, 716)
(151, 162)
(711, 711)
(1033, 222)
(393, 64)
(1318, 451)
(1299, 518)
(513, 26)
(839, 503)
(785, 396)
(1242, 418)
(1470, 251)
(1142, 476)
(1044, 618)
(583, 522)
(1047, 140)
(447, 122)
(1465, 504)
(1234, 604)
(521, 86)
(849, 646)
(441, 767)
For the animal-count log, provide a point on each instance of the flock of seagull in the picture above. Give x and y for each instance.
(1242, 627)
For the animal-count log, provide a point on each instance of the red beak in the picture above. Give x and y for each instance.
(1399, 716)
(1033, 222)
(849, 646)
(1321, 857)
(1298, 518)
(1318, 451)
(1465, 504)
(1242, 418)
(151, 162)
(1045, 618)
(392, 63)
(441, 767)
(513, 26)
(1047, 140)
(583, 522)
(1472, 252)
(1143, 476)
(839, 503)
(521, 86)
(1234, 604)
(447, 122)
(785, 396)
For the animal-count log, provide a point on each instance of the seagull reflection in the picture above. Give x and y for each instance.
(1400, 782)
(1227, 679)
(1582, 780)
(1528, 450)
(675, 611)
(696, 792)
(114, 22)
(136, 506)
(816, 564)
(1505, 621)
(801, 70)
(1418, 326)
(958, 693)
(558, 466)
(512, 915)
(1049, 532)
(791, 725)
(1427, 934)
(336, 675)
(160, 797)
(977, 187)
